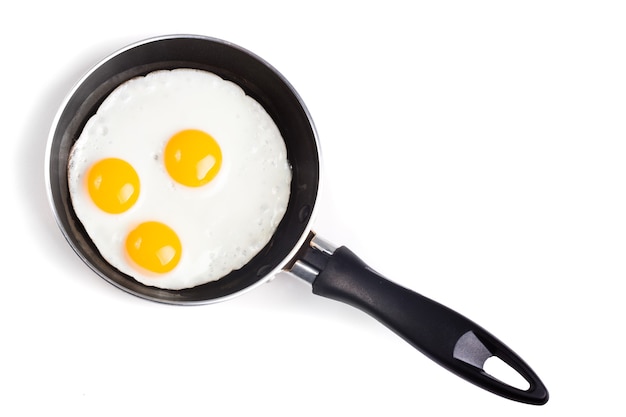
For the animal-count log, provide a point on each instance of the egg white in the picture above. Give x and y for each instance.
(221, 225)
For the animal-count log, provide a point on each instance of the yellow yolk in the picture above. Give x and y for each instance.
(113, 185)
(154, 247)
(192, 157)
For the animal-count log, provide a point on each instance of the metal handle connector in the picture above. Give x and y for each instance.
(312, 258)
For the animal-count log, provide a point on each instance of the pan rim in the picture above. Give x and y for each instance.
(52, 135)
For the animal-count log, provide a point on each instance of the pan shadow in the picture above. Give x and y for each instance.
(285, 292)
(32, 186)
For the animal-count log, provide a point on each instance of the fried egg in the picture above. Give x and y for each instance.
(179, 178)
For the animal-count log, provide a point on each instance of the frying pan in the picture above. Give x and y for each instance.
(445, 336)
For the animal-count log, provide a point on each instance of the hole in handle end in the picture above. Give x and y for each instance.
(506, 374)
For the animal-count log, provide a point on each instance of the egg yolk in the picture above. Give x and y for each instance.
(154, 247)
(192, 157)
(113, 185)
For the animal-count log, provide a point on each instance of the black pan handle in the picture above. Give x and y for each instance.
(448, 338)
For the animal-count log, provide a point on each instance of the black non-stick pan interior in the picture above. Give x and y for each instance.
(260, 81)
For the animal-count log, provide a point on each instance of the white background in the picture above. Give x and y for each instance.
(473, 151)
